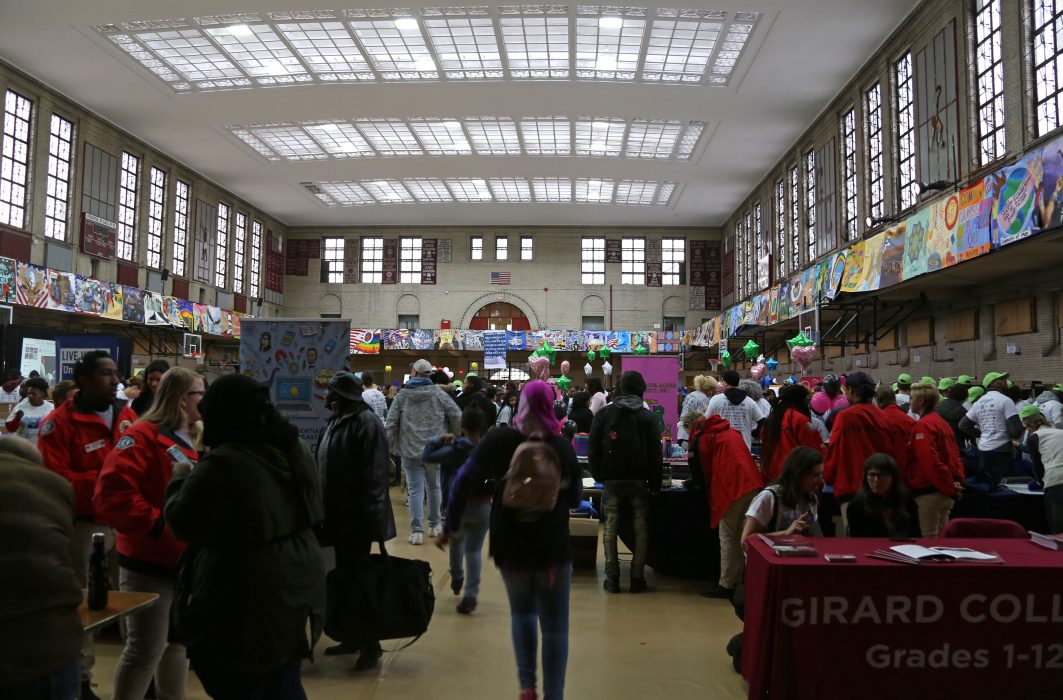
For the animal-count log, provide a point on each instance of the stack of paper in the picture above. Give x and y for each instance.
(1047, 541)
(917, 554)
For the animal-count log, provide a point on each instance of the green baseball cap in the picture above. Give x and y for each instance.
(928, 380)
(895, 386)
(946, 383)
(992, 377)
(1010, 384)
(904, 379)
(1028, 411)
(1058, 387)
(965, 379)
(975, 393)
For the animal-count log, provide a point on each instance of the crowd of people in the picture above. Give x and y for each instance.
(208, 494)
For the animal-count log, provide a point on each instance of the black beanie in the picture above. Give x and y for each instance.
(236, 408)
(632, 383)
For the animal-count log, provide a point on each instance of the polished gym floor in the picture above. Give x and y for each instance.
(667, 643)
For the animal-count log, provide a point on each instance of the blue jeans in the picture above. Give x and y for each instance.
(1054, 509)
(64, 684)
(540, 599)
(418, 475)
(468, 542)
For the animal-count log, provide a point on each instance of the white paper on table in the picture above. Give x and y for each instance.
(588, 482)
(964, 553)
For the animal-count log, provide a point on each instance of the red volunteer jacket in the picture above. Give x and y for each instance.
(934, 459)
(729, 469)
(857, 434)
(797, 431)
(898, 425)
(74, 443)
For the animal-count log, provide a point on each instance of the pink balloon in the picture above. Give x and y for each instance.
(820, 402)
(540, 367)
(804, 355)
(839, 402)
(757, 371)
(565, 367)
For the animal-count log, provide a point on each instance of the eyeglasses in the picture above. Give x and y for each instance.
(871, 476)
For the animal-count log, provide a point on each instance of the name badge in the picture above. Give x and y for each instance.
(93, 446)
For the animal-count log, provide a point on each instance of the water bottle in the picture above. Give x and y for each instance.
(97, 598)
(666, 478)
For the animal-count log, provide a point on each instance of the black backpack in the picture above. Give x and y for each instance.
(625, 447)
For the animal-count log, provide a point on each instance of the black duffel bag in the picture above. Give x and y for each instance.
(388, 598)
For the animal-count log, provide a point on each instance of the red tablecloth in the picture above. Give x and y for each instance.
(876, 629)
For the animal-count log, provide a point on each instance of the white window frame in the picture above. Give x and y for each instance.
(527, 248)
(128, 196)
(1047, 57)
(592, 260)
(673, 261)
(989, 81)
(780, 228)
(157, 182)
(501, 248)
(904, 129)
(794, 193)
(476, 248)
(240, 253)
(221, 260)
(254, 284)
(633, 260)
(15, 159)
(810, 205)
(876, 176)
(410, 260)
(61, 139)
(372, 265)
(332, 259)
(182, 196)
(850, 184)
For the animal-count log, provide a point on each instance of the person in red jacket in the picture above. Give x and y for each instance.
(856, 434)
(74, 441)
(130, 495)
(732, 479)
(935, 468)
(789, 425)
(897, 424)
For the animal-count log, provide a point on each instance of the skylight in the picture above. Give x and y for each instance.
(328, 48)
(681, 43)
(343, 193)
(547, 137)
(552, 189)
(510, 189)
(190, 53)
(396, 48)
(608, 47)
(536, 47)
(340, 139)
(469, 189)
(260, 52)
(638, 192)
(390, 137)
(652, 138)
(387, 191)
(466, 47)
(664, 193)
(594, 190)
(441, 137)
(689, 139)
(290, 142)
(600, 137)
(428, 189)
(494, 136)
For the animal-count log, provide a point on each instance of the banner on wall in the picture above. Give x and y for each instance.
(713, 276)
(365, 341)
(937, 106)
(1014, 192)
(661, 373)
(494, 349)
(71, 348)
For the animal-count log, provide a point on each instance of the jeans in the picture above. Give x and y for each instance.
(1054, 509)
(284, 683)
(81, 548)
(418, 474)
(64, 684)
(540, 599)
(147, 654)
(997, 465)
(467, 543)
(616, 493)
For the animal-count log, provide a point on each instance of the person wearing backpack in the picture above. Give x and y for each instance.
(538, 482)
(624, 451)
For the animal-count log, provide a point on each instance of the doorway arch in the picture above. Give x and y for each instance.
(500, 316)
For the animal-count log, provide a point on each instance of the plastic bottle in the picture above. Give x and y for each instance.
(97, 596)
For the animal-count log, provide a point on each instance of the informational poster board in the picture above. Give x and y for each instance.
(661, 373)
(38, 355)
(71, 348)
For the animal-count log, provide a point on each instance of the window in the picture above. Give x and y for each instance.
(15, 160)
(873, 141)
(255, 269)
(633, 261)
(674, 323)
(476, 248)
(761, 252)
(740, 248)
(180, 227)
(57, 191)
(592, 265)
(1047, 32)
(593, 323)
(156, 216)
(221, 259)
(673, 257)
(501, 247)
(332, 260)
(239, 244)
(410, 321)
(372, 260)
(128, 185)
(527, 250)
(410, 260)
(989, 80)
(749, 263)
(905, 119)
(848, 127)
(810, 205)
(795, 219)
(780, 228)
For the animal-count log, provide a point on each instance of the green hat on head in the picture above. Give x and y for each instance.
(1029, 411)
(1011, 384)
(457, 383)
(904, 379)
(1058, 387)
(946, 383)
(928, 380)
(975, 393)
(895, 386)
(965, 379)
(992, 377)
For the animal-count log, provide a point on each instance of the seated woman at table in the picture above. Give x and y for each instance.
(880, 509)
(790, 505)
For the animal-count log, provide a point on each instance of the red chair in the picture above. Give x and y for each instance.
(976, 528)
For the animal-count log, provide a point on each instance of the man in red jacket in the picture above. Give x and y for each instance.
(732, 479)
(74, 441)
(935, 468)
(897, 424)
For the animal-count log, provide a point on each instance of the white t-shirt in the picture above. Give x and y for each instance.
(743, 417)
(32, 416)
(767, 500)
(991, 414)
(107, 416)
(903, 399)
(764, 405)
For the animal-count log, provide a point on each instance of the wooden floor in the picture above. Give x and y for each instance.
(667, 643)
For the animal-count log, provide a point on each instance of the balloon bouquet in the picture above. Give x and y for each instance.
(803, 350)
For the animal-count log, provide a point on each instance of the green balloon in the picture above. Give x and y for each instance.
(591, 356)
(725, 358)
(751, 349)
(604, 353)
(563, 383)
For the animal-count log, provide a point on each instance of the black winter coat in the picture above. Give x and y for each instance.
(625, 444)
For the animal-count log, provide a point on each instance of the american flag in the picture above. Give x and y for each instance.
(499, 278)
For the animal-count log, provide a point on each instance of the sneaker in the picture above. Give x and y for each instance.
(369, 658)
(612, 584)
(456, 584)
(718, 591)
(416, 538)
(86, 691)
(638, 585)
(466, 606)
(435, 531)
(341, 649)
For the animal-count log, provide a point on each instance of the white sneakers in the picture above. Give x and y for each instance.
(416, 538)
(435, 531)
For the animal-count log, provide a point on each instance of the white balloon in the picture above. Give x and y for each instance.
(587, 369)
(607, 369)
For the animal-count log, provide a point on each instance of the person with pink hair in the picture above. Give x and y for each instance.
(534, 554)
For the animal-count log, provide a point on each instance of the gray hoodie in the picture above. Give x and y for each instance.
(1051, 408)
(420, 412)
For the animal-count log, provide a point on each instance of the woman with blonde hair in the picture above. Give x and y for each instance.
(130, 495)
(696, 401)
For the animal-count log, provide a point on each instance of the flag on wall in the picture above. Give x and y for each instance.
(499, 278)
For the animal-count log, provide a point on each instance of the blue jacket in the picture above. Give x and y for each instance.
(450, 455)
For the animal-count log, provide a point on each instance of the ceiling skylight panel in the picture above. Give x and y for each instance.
(466, 47)
(387, 191)
(390, 137)
(738, 33)
(552, 189)
(600, 137)
(346, 193)
(428, 189)
(144, 57)
(258, 50)
(536, 47)
(493, 136)
(340, 139)
(595, 190)
(608, 47)
(636, 192)
(689, 140)
(547, 137)
(327, 47)
(190, 53)
(255, 143)
(652, 138)
(510, 189)
(441, 137)
(397, 48)
(664, 193)
(679, 50)
(469, 189)
(290, 142)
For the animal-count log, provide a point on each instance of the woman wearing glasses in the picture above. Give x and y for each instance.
(880, 509)
(130, 496)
